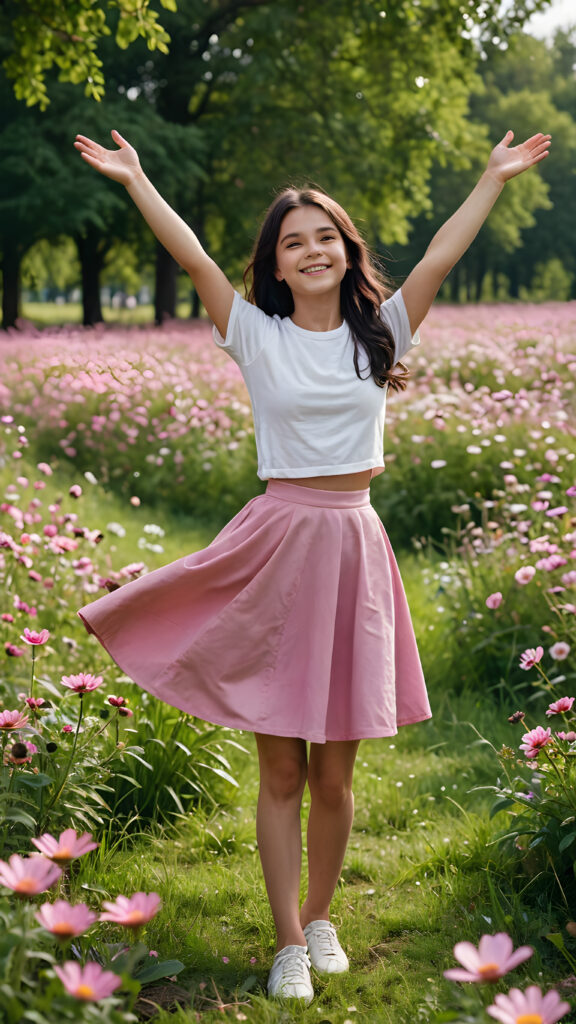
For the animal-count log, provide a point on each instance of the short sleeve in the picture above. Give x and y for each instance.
(248, 327)
(394, 313)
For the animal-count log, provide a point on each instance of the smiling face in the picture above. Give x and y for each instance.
(311, 254)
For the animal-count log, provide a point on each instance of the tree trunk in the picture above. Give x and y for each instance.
(195, 305)
(514, 280)
(92, 249)
(165, 296)
(11, 261)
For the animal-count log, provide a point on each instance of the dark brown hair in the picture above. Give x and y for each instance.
(362, 290)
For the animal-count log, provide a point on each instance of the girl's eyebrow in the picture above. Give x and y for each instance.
(296, 234)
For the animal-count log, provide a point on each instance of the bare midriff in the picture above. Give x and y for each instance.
(343, 482)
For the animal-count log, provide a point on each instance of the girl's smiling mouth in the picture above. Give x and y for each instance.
(316, 268)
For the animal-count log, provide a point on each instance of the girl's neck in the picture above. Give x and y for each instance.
(317, 312)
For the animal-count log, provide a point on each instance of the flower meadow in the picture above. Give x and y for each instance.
(480, 484)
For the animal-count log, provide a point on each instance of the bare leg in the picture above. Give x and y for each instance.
(330, 774)
(283, 764)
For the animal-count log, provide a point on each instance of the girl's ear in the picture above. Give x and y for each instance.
(277, 274)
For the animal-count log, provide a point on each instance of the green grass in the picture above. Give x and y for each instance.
(50, 314)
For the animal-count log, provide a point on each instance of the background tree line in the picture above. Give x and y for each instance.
(392, 107)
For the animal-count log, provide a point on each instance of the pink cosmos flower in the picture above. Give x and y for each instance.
(82, 683)
(13, 651)
(7, 617)
(75, 491)
(529, 1007)
(571, 492)
(561, 706)
(67, 728)
(44, 468)
(35, 702)
(531, 657)
(132, 911)
(494, 600)
(534, 740)
(558, 511)
(27, 876)
(30, 636)
(67, 848)
(570, 737)
(559, 651)
(493, 958)
(117, 702)
(525, 574)
(89, 983)
(65, 920)
(125, 712)
(12, 720)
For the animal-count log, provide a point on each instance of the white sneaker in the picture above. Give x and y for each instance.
(325, 951)
(290, 975)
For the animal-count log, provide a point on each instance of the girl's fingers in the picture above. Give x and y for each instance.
(119, 138)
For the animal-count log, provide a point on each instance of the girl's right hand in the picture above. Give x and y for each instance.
(120, 164)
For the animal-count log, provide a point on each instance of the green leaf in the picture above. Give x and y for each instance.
(155, 970)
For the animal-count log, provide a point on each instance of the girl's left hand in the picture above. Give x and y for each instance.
(505, 163)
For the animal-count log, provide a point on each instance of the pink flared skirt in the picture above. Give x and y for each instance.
(292, 622)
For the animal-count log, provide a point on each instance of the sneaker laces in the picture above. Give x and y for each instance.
(327, 939)
(295, 966)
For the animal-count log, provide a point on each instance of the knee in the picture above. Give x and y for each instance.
(283, 779)
(331, 790)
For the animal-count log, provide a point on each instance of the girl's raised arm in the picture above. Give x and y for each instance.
(454, 237)
(123, 165)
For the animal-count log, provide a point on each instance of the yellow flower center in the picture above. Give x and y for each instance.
(63, 928)
(489, 972)
(135, 918)
(27, 884)
(62, 856)
(530, 1018)
(84, 992)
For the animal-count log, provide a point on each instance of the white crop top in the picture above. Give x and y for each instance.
(313, 416)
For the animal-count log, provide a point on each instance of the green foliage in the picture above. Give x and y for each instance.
(46, 33)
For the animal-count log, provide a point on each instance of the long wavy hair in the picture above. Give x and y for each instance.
(362, 290)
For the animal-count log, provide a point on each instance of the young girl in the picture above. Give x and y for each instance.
(293, 623)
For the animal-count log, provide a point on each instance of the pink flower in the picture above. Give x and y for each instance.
(561, 706)
(65, 920)
(534, 740)
(117, 702)
(568, 736)
(132, 911)
(12, 720)
(558, 511)
(13, 651)
(7, 617)
(30, 636)
(28, 876)
(493, 958)
(44, 468)
(75, 491)
(35, 702)
(559, 651)
(525, 574)
(494, 600)
(125, 713)
(89, 983)
(529, 1007)
(67, 848)
(531, 657)
(82, 683)
(571, 492)
(67, 728)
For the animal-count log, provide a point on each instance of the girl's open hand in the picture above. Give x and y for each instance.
(505, 163)
(119, 164)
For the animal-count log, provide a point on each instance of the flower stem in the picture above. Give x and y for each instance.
(32, 678)
(58, 794)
